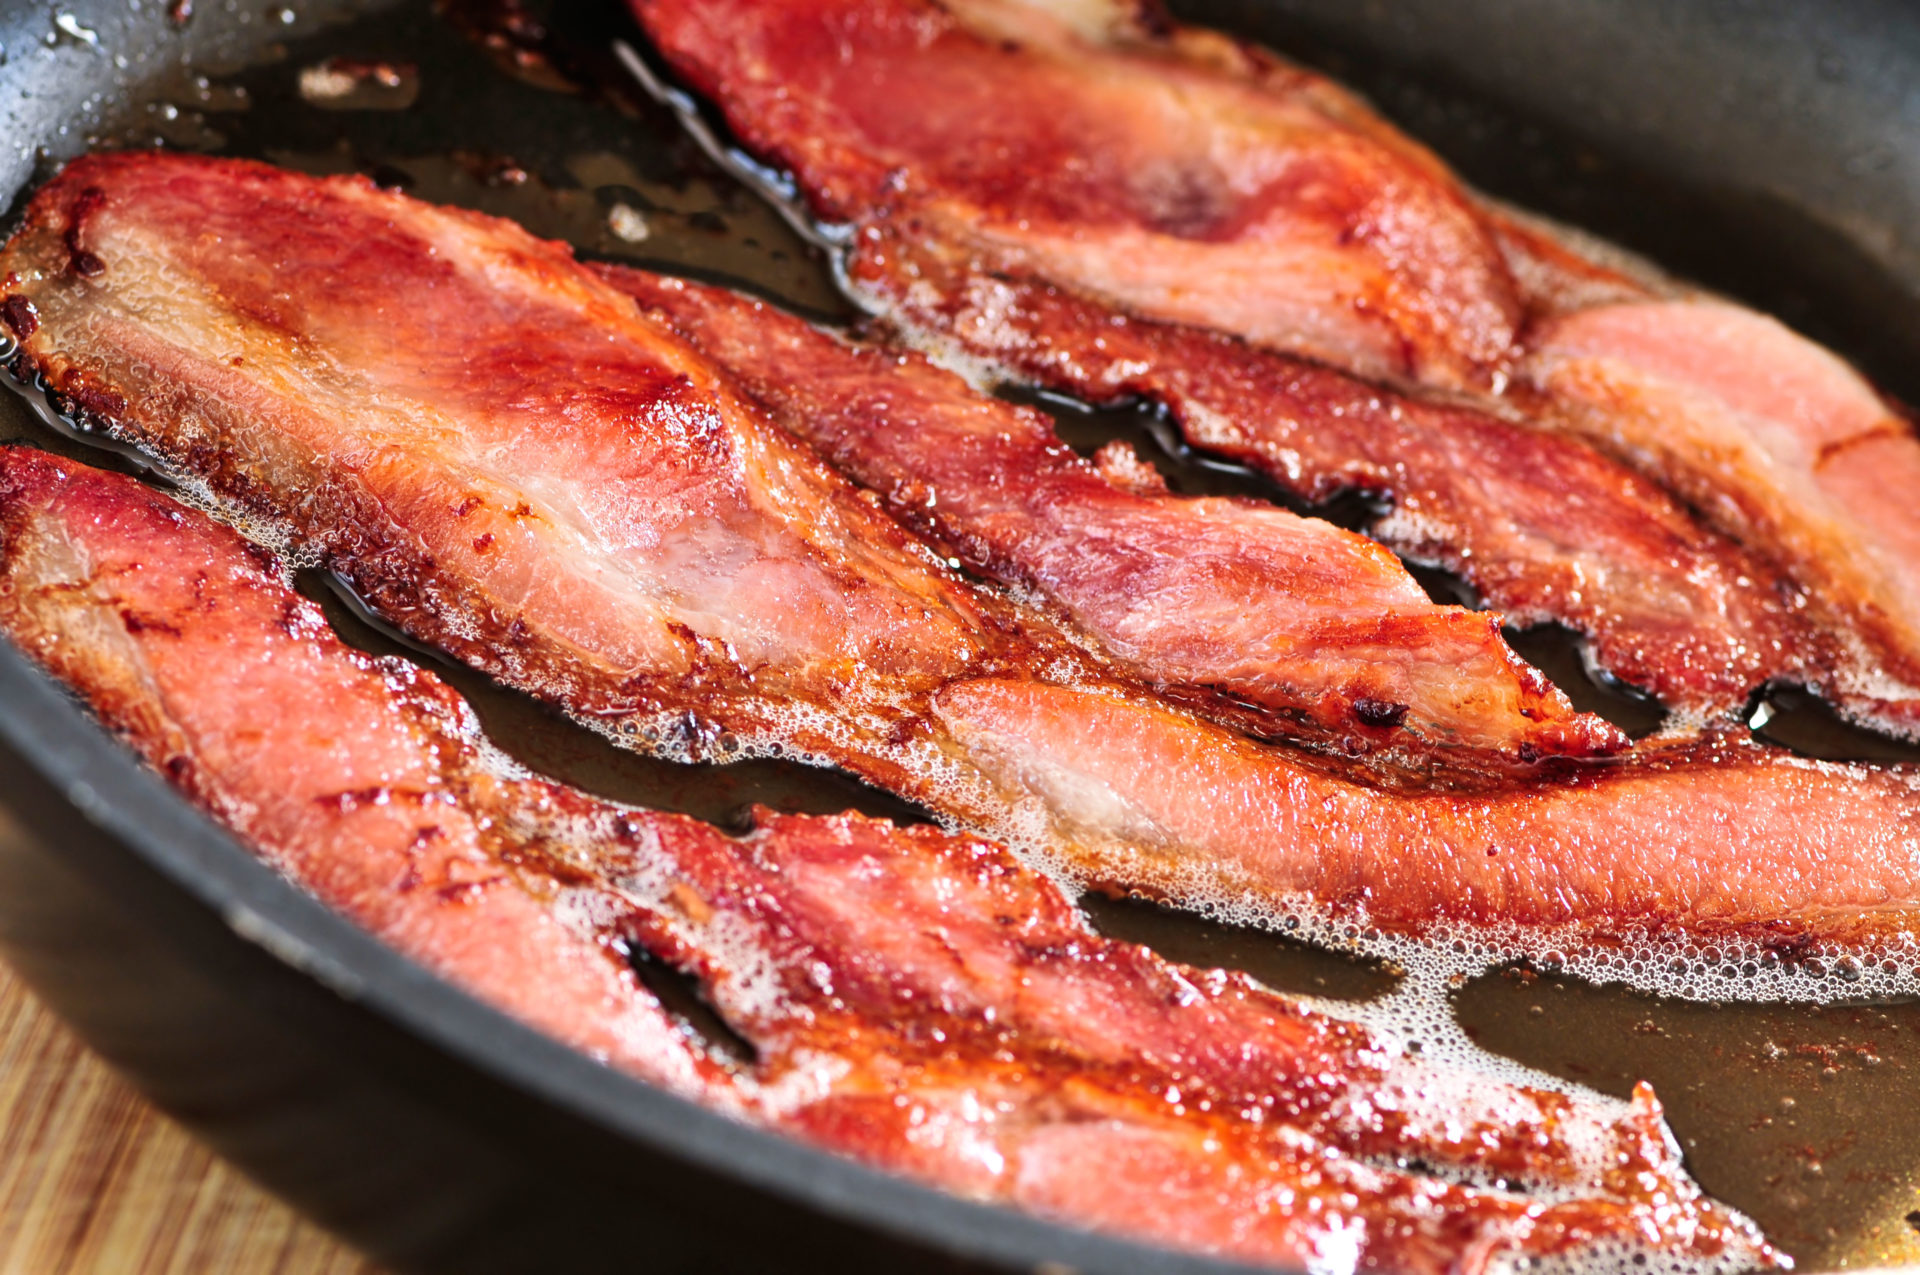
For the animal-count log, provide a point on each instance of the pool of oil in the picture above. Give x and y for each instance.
(1806, 1117)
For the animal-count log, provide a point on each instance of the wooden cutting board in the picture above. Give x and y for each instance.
(94, 1181)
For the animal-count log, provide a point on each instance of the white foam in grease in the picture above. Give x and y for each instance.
(1861, 677)
(269, 533)
(1617, 1257)
(1402, 525)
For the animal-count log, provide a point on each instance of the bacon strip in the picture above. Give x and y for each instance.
(508, 459)
(916, 999)
(1780, 444)
(1157, 167)
(348, 774)
(1542, 527)
(1170, 182)
(1281, 613)
(1716, 840)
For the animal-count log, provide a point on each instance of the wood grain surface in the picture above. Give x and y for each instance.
(94, 1181)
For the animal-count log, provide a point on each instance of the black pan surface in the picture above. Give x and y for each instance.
(1768, 149)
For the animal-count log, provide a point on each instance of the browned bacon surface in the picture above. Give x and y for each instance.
(913, 998)
(1322, 629)
(509, 459)
(1164, 180)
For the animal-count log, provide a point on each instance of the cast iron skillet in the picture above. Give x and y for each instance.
(1771, 149)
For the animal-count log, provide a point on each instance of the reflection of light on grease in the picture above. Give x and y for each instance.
(1893, 1245)
(351, 84)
